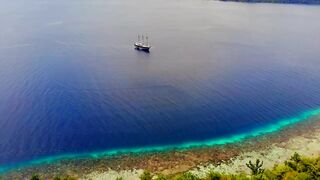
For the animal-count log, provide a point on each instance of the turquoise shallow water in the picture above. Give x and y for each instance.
(219, 141)
(71, 82)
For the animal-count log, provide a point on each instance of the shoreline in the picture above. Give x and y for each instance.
(306, 144)
(174, 161)
(272, 149)
(211, 143)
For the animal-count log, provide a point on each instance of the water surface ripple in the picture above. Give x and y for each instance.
(70, 82)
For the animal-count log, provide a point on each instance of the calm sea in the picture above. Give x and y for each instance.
(71, 82)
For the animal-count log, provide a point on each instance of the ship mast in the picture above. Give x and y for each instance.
(147, 39)
(142, 40)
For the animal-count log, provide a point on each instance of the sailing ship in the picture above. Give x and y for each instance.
(142, 44)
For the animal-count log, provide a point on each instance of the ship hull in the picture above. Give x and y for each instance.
(141, 47)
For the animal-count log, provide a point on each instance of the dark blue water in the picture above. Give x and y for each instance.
(71, 82)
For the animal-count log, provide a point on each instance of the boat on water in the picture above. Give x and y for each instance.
(142, 44)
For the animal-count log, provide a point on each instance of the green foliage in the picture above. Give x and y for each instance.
(160, 177)
(240, 177)
(213, 176)
(218, 176)
(304, 166)
(255, 168)
(268, 174)
(296, 157)
(296, 168)
(35, 177)
(70, 178)
(304, 176)
(146, 175)
(187, 176)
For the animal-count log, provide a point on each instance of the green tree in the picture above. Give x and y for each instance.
(255, 168)
(160, 177)
(35, 177)
(213, 176)
(146, 175)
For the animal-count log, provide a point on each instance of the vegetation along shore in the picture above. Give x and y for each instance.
(297, 167)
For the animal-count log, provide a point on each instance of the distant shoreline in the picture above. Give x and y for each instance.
(306, 2)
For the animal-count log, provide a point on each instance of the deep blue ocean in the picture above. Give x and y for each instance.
(71, 82)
